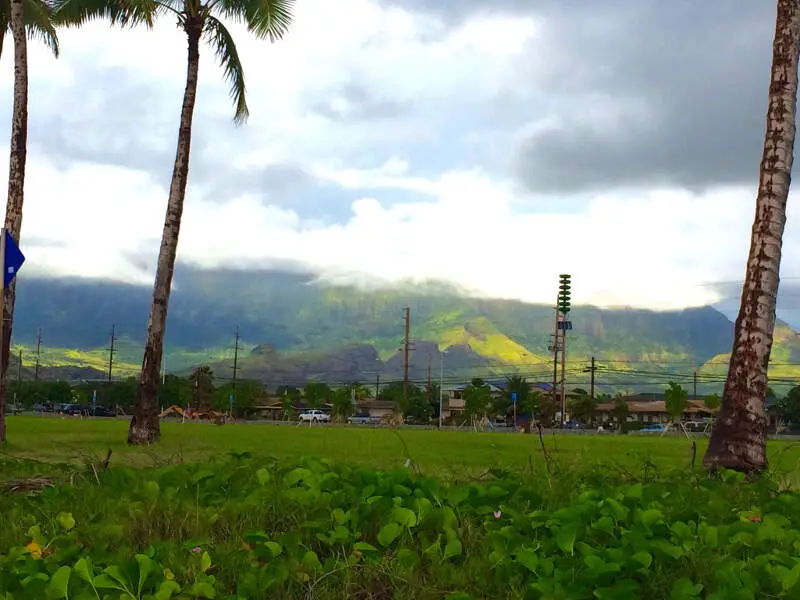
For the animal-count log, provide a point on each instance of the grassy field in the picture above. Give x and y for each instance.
(440, 453)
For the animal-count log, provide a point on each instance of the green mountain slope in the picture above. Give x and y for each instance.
(301, 328)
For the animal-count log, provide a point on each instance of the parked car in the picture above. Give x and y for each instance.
(313, 416)
(102, 411)
(363, 419)
(654, 428)
(75, 410)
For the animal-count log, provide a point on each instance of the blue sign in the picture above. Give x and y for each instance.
(513, 396)
(230, 399)
(13, 260)
(94, 398)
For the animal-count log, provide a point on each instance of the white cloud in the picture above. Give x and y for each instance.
(651, 248)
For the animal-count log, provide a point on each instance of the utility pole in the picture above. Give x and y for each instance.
(38, 353)
(19, 377)
(111, 353)
(405, 354)
(441, 386)
(428, 390)
(554, 348)
(563, 309)
(694, 397)
(591, 370)
(377, 385)
(235, 367)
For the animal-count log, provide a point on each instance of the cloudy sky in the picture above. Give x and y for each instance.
(618, 141)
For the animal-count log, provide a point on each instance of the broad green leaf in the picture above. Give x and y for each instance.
(404, 516)
(604, 524)
(528, 559)
(599, 566)
(59, 584)
(274, 548)
(452, 548)
(66, 520)
(364, 547)
(389, 533)
(650, 517)
(790, 579)
(311, 561)
(263, 476)
(166, 590)
(339, 516)
(566, 536)
(643, 558)
(457, 495)
(684, 589)
(202, 589)
(205, 560)
(146, 566)
(708, 534)
(83, 568)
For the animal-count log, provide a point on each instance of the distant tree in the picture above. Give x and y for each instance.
(342, 403)
(675, 400)
(531, 404)
(173, 391)
(516, 386)
(712, 402)
(620, 413)
(477, 399)
(582, 406)
(394, 392)
(358, 391)
(316, 393)
(287, 406)
(548, 407)
(788, 407)
(246, 395)
(418, 407)
(433, 400)
(202, 384)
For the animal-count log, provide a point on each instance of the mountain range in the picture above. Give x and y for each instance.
(293, 328)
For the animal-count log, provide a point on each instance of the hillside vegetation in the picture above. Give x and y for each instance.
(292, 327)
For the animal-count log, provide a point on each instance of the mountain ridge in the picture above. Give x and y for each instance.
(304, 320)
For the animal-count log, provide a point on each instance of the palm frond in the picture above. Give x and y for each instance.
(125, 13)
(264, 18)
(225, 50)
(39, 23)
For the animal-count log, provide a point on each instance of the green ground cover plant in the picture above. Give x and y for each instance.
(249, 527)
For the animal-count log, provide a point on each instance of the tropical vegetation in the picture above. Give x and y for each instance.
(244, 527)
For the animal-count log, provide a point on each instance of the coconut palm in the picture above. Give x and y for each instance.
(199, 20)
(738, 440)
(21, 17)
(38, 19)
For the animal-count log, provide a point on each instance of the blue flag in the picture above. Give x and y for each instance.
(13, 260)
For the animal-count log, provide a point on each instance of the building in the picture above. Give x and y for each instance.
(645, 409)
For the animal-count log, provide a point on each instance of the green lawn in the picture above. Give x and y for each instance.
(439, 453)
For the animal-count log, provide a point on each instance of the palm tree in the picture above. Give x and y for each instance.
(738, 440)
(266, 19)
(38, 19)
(18, 16)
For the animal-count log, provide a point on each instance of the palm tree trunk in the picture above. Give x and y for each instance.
(145, 427)
(16, 185)
(738, 440)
